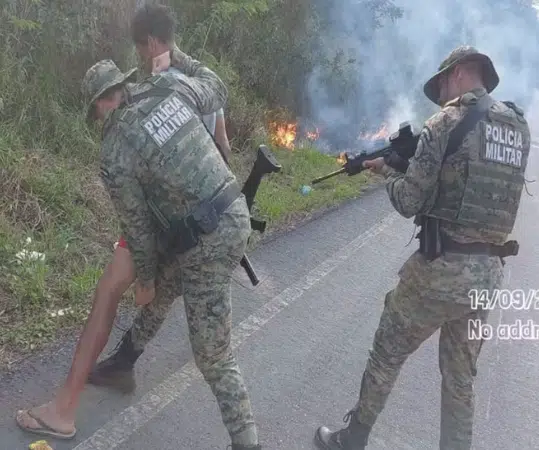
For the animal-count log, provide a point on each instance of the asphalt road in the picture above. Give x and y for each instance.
(302, 339)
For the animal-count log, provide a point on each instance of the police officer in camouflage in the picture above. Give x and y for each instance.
(153, 29)
(182, 213)
(463, 186)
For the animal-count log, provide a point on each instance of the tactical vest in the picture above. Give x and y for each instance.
(190, 184)
(491, 146)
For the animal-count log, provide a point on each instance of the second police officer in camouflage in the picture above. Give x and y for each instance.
(182, 213)
(464, 186)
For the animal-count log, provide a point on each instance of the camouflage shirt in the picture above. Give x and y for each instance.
(416, 191)
(135, 169)
(449, 277)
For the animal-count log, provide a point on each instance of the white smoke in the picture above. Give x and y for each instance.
(403, 55)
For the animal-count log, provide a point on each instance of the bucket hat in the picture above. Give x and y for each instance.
(101, 77)
(457, 56)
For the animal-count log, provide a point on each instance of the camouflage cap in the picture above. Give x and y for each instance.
(101, 77)
(459, 55)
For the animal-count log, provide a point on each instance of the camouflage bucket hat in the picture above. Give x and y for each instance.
(101, 77)
(459, 55)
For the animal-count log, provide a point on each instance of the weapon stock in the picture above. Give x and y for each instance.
(401, 148)
(265, 163)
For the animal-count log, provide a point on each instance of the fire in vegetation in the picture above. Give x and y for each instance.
(313, 135)
(381, 134)
(283, 135)
(287, 135)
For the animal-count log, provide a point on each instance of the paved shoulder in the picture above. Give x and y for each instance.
(302, 339)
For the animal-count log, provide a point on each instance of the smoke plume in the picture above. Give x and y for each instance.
(382, 71)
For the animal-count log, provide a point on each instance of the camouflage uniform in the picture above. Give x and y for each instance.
(149, 319)
(159, 161)
(434, 293)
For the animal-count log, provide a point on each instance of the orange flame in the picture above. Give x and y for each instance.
(313, 135)
(341, 159)
(284, 135)
(382, 133)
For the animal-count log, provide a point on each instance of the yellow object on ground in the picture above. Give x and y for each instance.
(40, 445)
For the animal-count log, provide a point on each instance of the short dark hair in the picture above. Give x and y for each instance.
(153, 20)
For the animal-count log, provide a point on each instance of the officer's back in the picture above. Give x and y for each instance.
(482, 206)
(180, 166)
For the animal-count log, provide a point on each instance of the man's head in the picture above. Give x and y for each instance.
(463, 70)
(102, 88)
(152, 30)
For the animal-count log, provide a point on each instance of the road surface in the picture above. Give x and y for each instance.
(302, 339)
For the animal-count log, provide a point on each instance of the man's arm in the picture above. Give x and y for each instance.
(220, 133)
(118, 172)
(408, 192)
(208, 91)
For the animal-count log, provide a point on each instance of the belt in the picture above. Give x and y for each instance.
(509, 248)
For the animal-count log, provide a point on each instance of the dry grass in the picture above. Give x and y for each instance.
(17, 202)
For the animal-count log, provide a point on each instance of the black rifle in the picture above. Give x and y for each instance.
(401, 147)
(265, 163)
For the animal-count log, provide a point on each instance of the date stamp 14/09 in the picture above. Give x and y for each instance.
(518, 299)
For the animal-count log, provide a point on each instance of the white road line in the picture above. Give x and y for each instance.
(122, 426)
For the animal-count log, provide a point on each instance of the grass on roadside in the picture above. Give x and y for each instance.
(55, 206)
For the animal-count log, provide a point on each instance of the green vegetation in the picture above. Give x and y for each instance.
(57, 226)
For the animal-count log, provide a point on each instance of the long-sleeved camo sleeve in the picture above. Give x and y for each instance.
(408, 192)
(119, 163)
(207, 91)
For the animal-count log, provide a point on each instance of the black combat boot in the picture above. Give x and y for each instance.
(117, 370)
(353, 437)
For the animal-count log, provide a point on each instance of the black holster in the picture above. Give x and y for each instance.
(184, 233)
(430, 242)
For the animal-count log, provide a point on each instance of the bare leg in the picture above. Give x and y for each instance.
(59, 414)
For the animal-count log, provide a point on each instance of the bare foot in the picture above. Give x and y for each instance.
(46, 420)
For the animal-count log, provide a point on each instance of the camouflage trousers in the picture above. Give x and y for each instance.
(204, 279)
(408, 319)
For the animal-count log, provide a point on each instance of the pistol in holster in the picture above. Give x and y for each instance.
(179, 235)
(430, 241)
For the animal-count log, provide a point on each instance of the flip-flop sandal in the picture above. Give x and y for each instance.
(44, 430)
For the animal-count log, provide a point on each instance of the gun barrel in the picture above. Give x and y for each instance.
(329, 175)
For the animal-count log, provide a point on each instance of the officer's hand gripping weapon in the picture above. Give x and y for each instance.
(401, 147)
(265, 163)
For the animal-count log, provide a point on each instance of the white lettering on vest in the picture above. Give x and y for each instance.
(503, 145)
(166, 119)
(511, 137)
(149, 127)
